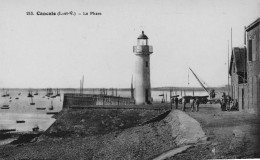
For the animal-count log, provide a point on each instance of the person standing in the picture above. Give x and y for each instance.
(228, 103)
(197, 103)
(176, 100)
(223, 102)
(172, 101)
(184, 101)
(192, 102)
(236, 105)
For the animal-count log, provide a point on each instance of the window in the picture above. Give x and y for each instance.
(146, 63)
(250, 50)
(142, 42)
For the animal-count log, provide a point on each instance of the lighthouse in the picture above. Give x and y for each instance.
(142, 70)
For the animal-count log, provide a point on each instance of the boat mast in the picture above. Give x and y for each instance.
(228, 60)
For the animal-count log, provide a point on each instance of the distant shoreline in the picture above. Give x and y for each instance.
(129, 89)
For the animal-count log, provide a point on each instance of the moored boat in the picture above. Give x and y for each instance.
(49, 92)
(32, 103)
(6, 94)
(36, 93)
(35, 128)
(40, 108)
(52, 113)
(5, 106)
(51, 107)
(30, 94)
(20, 121)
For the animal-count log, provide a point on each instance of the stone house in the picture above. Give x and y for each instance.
(253, 64)
(245, 70)
(238, 73)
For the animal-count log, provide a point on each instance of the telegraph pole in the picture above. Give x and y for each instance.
(228, 64)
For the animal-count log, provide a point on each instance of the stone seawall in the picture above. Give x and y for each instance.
(81, 100)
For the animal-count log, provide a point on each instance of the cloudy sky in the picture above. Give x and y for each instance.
(55, 51)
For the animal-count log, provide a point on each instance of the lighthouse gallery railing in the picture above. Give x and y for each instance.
(143, 49)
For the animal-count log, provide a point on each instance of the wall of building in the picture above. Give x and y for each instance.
(238, 93)
(142, 78)
(258, 91)
(253, 68)
(243, 99)
(234, 84)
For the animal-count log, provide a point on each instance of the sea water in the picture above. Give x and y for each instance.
(21, 110)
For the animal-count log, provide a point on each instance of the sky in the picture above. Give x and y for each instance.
(39, 51)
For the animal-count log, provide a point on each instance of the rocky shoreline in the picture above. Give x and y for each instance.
(110, 134)
(142, 134)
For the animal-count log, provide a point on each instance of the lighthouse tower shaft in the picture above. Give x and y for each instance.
(142, 70)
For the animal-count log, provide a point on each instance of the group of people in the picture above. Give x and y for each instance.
(195, 102)
(228, 104)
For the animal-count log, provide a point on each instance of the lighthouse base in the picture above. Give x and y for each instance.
(139, 101)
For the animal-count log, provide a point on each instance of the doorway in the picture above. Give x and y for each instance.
(243, 98)
(146, 95)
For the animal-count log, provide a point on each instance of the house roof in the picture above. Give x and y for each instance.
(239, 59)
(253, 25)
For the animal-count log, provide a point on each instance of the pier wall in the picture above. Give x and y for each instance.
(84, 100)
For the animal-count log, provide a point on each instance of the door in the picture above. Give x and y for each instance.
(146, 96)
(242, 98)
(258, 91)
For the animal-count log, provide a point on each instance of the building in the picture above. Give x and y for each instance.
(253, 64)
(142, 70)
(238, 73)
(245, 70)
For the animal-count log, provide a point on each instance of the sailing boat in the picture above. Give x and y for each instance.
(6, 94)
(32, 103)
(5, 106)
(36, 93)
(51, 108)
(30, 93)
(58, 93)
(49, 92)
(18, 95)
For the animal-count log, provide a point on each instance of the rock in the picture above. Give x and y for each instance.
(205, 138)
(215, 143)
(238, 133)
(214, 150)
